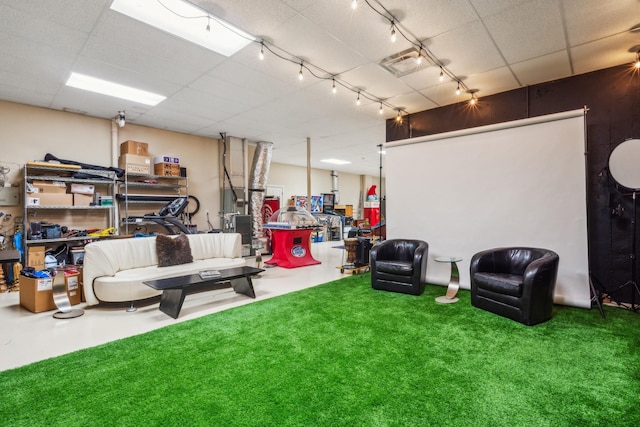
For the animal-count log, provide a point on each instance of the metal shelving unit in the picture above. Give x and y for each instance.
(106, 185)
(154, 191)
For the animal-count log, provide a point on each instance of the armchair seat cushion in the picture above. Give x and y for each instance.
(507, 284)
(395, 267)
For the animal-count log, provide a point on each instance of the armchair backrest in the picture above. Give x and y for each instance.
(511, 260)
(398, 249)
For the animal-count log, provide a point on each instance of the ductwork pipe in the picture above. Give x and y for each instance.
(334, 187)
(259, 175)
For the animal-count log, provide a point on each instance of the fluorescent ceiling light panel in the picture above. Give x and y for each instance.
(335, 161)
(116, 90)
(187, 21)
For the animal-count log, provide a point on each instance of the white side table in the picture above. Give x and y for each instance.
(454, 281)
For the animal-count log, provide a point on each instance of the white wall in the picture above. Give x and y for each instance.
(516, 184)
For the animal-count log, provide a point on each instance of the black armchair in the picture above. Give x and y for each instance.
(517, 283)
(399, 265)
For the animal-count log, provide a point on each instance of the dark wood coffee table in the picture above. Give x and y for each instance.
(174, 289)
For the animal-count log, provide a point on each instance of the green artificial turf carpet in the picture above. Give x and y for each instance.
(342, 354)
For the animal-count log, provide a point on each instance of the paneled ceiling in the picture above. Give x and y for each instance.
(489, 45)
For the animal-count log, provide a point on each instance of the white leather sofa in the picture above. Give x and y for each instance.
(114, 270)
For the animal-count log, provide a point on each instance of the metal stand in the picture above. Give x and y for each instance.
(632, 257)
(596, 296)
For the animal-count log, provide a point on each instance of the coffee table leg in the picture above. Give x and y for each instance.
(171, 301)
(243, 285)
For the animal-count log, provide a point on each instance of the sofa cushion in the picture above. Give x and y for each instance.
(508, 284)
(127, 285)
(173, 250)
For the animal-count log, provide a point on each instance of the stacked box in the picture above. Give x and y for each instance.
(82, 189)
(35, 257)
(166, 165)
(72, 281)
(134, 147)
(166, 169)
(82, 199)
(50, 199)
(133, 163)
(49, 187)
(36, 295)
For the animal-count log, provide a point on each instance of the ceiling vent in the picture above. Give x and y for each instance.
(406, 62)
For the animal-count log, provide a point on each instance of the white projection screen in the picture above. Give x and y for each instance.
(519, 183)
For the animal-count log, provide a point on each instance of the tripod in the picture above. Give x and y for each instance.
(632, 257)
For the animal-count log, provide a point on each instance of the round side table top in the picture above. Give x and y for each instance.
(448, 259)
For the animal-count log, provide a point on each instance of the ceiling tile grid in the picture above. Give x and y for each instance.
(490, 45)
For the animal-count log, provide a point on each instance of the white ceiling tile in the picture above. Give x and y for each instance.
(494, 81)
(545, 68)
(528, 30)
(33, 26)
(603, 53)
(591, 20)
(430, 19)
(304, 39)
(487, 8)
(374, 79)
(467, 50)
(412, 102)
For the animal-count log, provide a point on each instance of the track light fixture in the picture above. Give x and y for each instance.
(120, 119)
(474, 98)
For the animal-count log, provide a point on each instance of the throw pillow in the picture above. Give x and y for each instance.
(173, 250)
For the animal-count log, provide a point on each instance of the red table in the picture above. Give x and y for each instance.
(291, 248)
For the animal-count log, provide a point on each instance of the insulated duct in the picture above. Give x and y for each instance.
(258, 176)
(334, 187)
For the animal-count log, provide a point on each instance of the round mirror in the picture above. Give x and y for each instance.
(624, 164)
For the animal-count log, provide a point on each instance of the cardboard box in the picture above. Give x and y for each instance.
(35, 257)
(36, 295)
(50, 187)
(166, 159)
(72, 281)
(53, 199)
(133, 163)
(82, 189)
(166, 169)
(32, 201)
(82, 200)
(134, 147)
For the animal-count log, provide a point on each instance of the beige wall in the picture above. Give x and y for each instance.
(28, 133)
